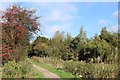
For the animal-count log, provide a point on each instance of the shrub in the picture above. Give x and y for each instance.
(17, 70)
(105, 70)
(91, 70)
(86, 70)
(79, 68)
(70, 66)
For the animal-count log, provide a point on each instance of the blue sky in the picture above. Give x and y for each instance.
(70, 16)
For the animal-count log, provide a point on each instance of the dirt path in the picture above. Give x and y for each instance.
(47, 73)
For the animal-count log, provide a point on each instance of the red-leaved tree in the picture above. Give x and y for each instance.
(18, 25)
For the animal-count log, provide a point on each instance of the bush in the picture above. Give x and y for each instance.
(91, 70)
(79, 68)
(17, 70)
(105, 70)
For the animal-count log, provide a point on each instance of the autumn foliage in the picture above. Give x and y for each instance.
(18, 25)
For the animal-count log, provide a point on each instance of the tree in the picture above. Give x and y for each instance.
(78, 43)
(39, 47)
(105, 35)
(18, 25)
(57, 44)
(112, 40)
(59, 36)
(68, 39)
(67, 54)
(102, 48)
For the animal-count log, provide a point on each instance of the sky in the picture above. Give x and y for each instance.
(70, 16)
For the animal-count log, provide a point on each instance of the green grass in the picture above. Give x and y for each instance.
(59, 72)
(38, 74)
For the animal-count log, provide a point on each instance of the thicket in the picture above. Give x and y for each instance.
(100, 48)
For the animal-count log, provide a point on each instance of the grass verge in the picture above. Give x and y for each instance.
(38, 74)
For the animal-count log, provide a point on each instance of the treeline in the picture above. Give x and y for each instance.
(100, 48)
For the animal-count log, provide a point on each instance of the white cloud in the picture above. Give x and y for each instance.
(103, 22)
(58, 16)
(114, 28)
(61, 13)
(54, 15)
(53, 28)
(116, 14)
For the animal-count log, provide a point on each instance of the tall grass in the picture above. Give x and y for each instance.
(50, 61)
